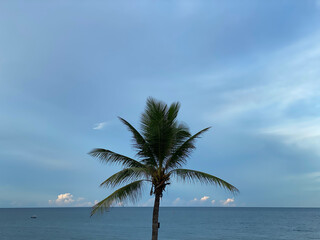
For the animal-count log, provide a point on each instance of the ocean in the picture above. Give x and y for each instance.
(183, 223)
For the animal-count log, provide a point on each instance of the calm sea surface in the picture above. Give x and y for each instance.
(176, 223)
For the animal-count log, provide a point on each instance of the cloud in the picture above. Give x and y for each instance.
(64, 198)
(176, 201)
(83, 204)
(120, 204)
(200, 201)
(304, 134)
(213, 202)
(303, 181)
(148, 203)
(288, 77)
(228, 202)
(99, 126)
(204, 198)
(194, 200)
(283, 105)
(67, 200)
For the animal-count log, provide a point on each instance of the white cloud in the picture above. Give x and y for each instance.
(204, 198)
(99, 126)
(67, 200)
(64, 198)
(228, 202)
(213, 202)
(200, 201)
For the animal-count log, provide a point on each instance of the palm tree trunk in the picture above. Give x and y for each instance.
(155, 218)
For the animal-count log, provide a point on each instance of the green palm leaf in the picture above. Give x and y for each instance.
(140, 144)
(129, 192)
(124, 176)
(155, 128)
(180, 155)
(161, 129)
(181, 135)
(196, 176)
(112, 157)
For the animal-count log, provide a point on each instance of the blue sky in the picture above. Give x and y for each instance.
(249, 69)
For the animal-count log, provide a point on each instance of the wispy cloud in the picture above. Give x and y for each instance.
(304, 134)
(148, 203)
(203, 201)
(285, 78)
(100, 126)
(283, 103)
(176, 201)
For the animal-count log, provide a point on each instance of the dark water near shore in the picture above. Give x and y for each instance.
(176, 223)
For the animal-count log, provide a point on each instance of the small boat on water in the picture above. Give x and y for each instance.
(34, 216)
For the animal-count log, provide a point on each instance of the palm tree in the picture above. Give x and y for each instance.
(163, 147)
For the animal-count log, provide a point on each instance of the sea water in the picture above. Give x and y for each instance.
(175, 223)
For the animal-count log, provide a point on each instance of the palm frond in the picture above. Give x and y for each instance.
(181, 135)
(152, 126)
(124, 176)
(112, 157)
(180, 155)
(196, 176)
(140, 144)
(173, 112)
(129, 192)
(160, 127)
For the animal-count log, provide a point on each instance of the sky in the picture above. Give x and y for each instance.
(249, 69)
